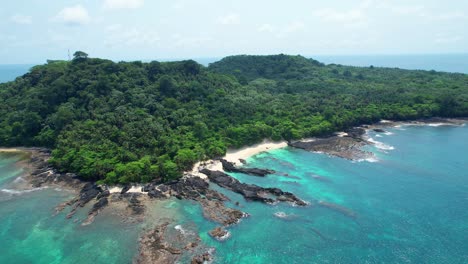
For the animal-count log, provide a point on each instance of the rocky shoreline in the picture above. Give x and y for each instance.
(347, 145)
(154, 244)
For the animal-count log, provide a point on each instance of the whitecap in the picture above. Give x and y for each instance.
(280, 214)
(378, 136)
(369, 159)
(385, 121)
(19, 192)
(388, 133)
(225, 237)
(380, 145)
(437, 124)
(182, 230)
(19, 179)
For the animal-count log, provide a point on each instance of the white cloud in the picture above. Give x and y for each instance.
(120, 36)
(230, 19)
(21, 19)
(186, 42)
(448, 16)
(294, 27)
(123, 4)
(75, 15)
(329, 14)
(266, 28)
(448, 39)
(179, 5)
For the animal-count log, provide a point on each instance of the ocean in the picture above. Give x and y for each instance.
(9, 72)
(409, 205)
(439, 62)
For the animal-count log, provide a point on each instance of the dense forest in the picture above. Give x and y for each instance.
(137, 122)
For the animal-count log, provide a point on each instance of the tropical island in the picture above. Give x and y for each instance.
(92, 124)
(128, 122)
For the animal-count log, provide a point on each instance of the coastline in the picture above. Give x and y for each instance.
(235, 156)
(132, 205)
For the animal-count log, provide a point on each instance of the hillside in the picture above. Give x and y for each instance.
(137, 122)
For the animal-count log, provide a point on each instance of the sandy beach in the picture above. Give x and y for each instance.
(235, 155)
(11, 150)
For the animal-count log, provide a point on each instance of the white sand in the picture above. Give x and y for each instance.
(246, 152)
(235, 155)
(10, 150)
(341, 134)
(134, 189)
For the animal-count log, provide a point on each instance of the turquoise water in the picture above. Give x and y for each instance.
(29, 233)
(411, 206)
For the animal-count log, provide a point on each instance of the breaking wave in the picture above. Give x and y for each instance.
(380, 145)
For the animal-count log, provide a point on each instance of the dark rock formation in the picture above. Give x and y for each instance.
(97, 207)
(230, 167)
(125, 189)
(356, 132)
(154, 249)
(348, 147)
(201, 259)
(216, 211)
(219, 233)
(378, 130)
(250, 191)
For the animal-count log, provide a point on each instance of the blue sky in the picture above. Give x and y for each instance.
(32, 31)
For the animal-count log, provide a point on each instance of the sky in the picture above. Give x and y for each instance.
(32, 31)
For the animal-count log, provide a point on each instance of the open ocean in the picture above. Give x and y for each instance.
(410, 206)
(438, 62)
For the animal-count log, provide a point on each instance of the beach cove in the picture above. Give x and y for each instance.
(315, 177)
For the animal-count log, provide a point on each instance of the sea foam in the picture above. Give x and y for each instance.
(19, 192)
(380, 145)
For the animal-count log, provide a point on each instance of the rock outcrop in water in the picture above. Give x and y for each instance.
(197, 189)
(348, 147)
(219, 233)
(230, 167)
(154, 248)
(250, 191)
(158, 245)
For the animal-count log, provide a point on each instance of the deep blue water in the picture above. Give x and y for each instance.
(438, 62)
(8, 72)
(411, 205)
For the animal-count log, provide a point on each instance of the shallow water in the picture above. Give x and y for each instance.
(29, 233)
(410, 206)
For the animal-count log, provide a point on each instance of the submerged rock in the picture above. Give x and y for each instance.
(338, 208)
(154, 249)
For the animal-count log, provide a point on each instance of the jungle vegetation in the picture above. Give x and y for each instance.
(137, 122)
